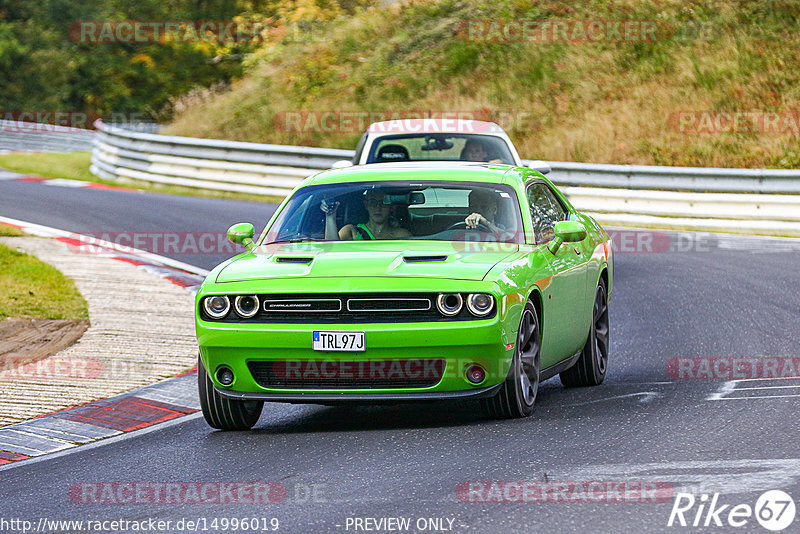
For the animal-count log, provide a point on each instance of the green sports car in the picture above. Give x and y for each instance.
(400, 282)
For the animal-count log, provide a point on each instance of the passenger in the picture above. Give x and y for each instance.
(483, 210)
(379, 225)
(475, 150)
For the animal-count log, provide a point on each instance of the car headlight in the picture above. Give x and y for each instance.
(480, 304)
(449, 303)
(246, 306)
(217, 306)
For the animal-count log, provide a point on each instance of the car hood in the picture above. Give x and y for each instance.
(462, 261)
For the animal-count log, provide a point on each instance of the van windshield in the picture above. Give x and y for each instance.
(440, 147)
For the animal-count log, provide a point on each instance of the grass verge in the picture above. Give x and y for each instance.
(10, 231)
(667, 99)
(30, 288)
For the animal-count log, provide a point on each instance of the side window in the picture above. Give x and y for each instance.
(546, 210)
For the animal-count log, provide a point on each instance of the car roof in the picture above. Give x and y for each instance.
(430, 170)
(435, 125)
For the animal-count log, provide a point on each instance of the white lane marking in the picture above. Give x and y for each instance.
(646, 396)
(65, 182)
(712, 476)
(767, 387)
(723, 390)
(761, 397)
(669, 382)
(729, 390)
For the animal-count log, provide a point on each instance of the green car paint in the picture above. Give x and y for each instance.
(560, 277)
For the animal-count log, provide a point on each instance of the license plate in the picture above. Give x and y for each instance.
(341, 341)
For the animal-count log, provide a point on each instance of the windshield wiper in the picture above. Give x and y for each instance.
(294, 240)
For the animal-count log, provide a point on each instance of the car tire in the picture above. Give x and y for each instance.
(592, 364)
(517, 395)
(221, 412)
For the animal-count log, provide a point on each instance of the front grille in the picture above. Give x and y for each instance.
(295, 305)
(388, 305)
(354, 308)
(347, 374)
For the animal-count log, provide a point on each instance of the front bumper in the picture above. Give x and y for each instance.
(367, 398)
(458, 343)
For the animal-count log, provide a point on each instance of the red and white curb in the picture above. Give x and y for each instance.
(166, 400)
(61, 182)
(175, 271)
(64, 429)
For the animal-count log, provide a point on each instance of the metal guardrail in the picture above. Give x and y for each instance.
(731, 200)
(207, 163)
(32, 137)
(703, 179)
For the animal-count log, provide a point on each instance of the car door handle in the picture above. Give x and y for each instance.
(577, 251)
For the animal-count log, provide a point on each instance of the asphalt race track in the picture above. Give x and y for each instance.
(694, 311)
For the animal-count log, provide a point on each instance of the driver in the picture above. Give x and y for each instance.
(379, 225)
(483, 209)
(475, 150)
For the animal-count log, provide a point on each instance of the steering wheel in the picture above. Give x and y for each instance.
(462, 225)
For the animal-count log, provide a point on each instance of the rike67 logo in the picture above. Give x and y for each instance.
(774, 510)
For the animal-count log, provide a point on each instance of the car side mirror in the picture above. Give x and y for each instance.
(567, 232)
(541, 166)
(341, 164)
(242, 234)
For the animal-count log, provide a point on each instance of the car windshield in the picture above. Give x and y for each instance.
(440, 147)
(433, 210)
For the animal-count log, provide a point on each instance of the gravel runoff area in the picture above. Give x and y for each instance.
(141, 331)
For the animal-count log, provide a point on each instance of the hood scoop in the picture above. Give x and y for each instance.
(294, 259)
(423, 259)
